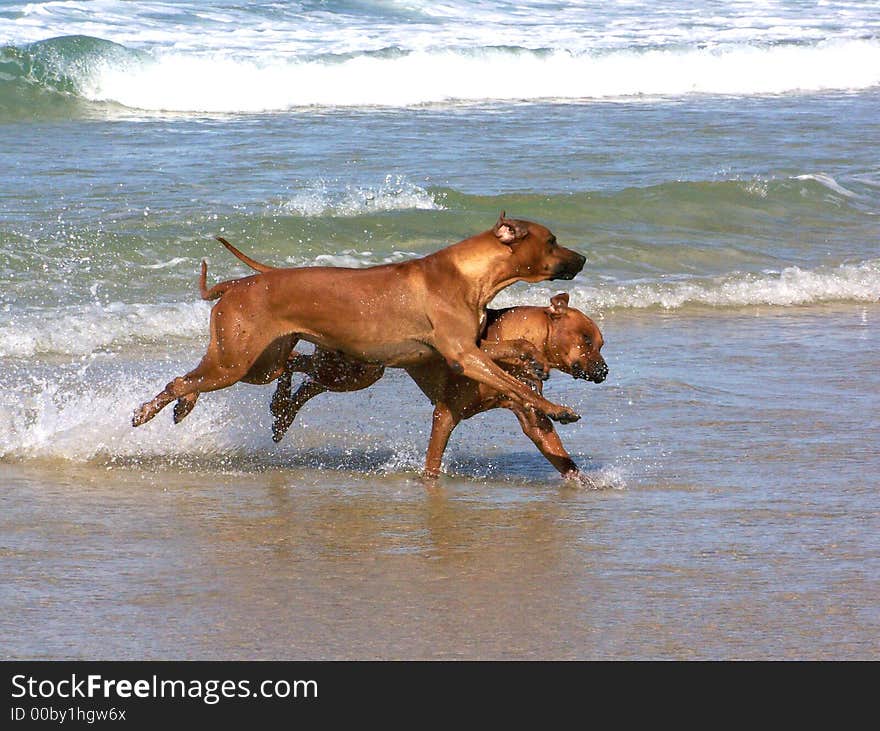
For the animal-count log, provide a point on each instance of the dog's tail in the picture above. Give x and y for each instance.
(217, 290)
(244, 257)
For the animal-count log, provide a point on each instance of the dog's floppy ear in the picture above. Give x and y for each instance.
(558, 305)
(507, 231)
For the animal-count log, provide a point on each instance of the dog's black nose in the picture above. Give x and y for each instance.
(599, 373)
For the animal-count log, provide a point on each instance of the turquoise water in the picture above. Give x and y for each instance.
(715, 164)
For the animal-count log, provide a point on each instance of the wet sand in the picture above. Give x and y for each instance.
(282, 566)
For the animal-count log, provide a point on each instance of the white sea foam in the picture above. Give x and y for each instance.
(265, 56)
(608, 477)
(166, 264)
(83, 416)
(828, 182)
(196, 83)
(262, 28)
(85, 329)
(396, 193)
(82, 413)
(792, 286)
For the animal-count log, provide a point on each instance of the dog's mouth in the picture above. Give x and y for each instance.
(565, 274)
(570, 269)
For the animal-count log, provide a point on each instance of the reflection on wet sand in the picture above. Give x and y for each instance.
(347, 573)
(320, 564)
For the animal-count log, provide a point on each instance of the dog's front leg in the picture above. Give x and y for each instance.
(539, 429)
(472, 363)
(442, 425)
(518, 354)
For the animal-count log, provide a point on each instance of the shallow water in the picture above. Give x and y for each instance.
(714, 165)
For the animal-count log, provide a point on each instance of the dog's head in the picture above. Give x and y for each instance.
(536, 254)
(574, 342)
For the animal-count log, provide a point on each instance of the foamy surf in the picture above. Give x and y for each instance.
(395, 193)
(164, 80)
(85, 416)
(78, 330)
(182, 83)
(82, 414)
(264, 28)
(789, 287)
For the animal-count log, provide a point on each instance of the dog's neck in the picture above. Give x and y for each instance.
(485, 263)
(551, 347)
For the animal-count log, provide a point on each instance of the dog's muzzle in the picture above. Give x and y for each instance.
(596, 374)
(569, 269)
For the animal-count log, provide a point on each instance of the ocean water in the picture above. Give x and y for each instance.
(715, 162)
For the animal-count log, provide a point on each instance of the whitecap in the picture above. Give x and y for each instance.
(395, 193)
(174, 81)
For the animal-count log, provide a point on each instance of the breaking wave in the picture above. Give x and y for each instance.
(396, 193)
(163, 80)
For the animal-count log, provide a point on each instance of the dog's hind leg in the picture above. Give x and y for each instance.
(205, 377)
(285, 410)
(209, 375)
(184, 405)
(237, 345)
(296, 363)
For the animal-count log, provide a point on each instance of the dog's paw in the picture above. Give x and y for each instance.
(141, 415)
(429, 478)
(576, 478)
(281, 424)
(278, 431)
(183, 407)
(564, 415)
(535, 366)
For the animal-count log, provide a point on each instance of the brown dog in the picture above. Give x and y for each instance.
(562, 337)
(395, 314)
